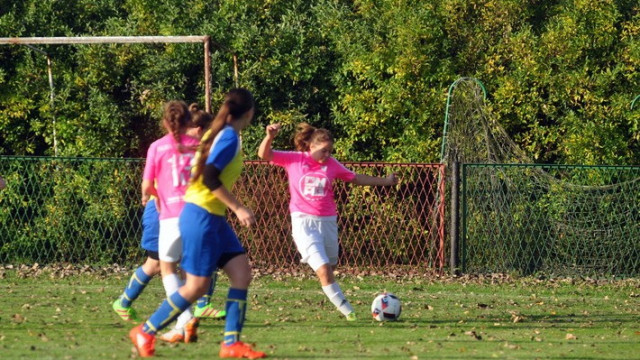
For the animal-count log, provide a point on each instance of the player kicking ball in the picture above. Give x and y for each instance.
(311, 171)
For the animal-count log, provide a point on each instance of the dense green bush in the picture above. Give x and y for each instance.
(73, 210)
(560, 74)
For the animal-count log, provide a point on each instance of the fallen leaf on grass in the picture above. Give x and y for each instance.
(17, 318)
(511, 346)
(516, 318)
(473, 334)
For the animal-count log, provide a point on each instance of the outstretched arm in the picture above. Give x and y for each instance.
(368, 180)
(264, 151)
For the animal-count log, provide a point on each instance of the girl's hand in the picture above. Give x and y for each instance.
(245, 216)
(273, 130)
(392, 179)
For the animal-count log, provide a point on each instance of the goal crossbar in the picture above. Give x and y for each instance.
(205, 39)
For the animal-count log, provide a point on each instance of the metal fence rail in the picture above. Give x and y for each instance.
(553, 219)
(87, 211)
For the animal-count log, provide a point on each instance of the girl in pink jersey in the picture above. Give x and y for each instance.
(311, 171)
(166, 176)
(138, 281)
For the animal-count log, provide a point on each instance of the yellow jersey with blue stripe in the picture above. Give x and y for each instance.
(226, 155)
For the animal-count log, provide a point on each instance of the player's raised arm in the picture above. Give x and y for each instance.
(264, 151)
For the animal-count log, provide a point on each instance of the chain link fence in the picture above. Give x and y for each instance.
(551, 219)
(87, 211)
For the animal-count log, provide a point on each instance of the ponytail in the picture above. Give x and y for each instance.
(199, 117)
(177, 117)
(307, 134)
(237, 102)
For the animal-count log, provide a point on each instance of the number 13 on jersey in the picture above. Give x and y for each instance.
(181, 168)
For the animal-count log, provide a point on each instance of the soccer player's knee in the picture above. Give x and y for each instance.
(201, 289)
(192, 290)
(240, 279)
(151, 267)
(325, 274)
(244, 279)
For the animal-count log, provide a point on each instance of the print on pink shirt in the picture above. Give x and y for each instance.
(313, 186)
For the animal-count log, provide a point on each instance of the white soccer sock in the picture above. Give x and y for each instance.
(171, 284)
(338, 299)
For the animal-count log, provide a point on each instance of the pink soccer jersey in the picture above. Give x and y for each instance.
(310, 182)
(170, 169)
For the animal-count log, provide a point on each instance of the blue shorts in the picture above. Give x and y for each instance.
(150, 227)
(206, 239)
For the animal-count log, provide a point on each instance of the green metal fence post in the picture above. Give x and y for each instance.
(462, 242)
(454, 228)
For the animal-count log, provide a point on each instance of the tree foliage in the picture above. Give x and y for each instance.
(560, 74)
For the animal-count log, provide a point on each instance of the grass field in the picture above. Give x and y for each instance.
(67, 315)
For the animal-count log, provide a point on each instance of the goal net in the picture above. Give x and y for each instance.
(529, 218)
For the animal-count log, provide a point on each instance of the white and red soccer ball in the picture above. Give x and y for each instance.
(386, 307)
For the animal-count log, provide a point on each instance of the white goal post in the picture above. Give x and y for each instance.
(204, 39)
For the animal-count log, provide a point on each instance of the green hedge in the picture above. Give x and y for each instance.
(560, 74)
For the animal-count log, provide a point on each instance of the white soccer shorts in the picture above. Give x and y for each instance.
(316, 238)
(169, 241)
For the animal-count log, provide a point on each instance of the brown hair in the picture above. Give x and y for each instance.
(177, 117)
(307, 135)
(237, 102)
(199, 118)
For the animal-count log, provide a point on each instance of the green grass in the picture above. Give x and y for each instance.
(48, 317)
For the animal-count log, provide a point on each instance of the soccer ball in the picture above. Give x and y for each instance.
(386, 307)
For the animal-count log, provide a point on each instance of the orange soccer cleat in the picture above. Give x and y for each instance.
(240, 350)
(145, 343)
(191, 331)
(173, 336)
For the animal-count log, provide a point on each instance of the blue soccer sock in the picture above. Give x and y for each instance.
(236, 308)
(168, 311)
(136, 285)
(206, 298)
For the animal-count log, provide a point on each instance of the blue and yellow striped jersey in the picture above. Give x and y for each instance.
(226, 155)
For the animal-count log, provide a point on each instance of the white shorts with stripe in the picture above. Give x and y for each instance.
(316, 238)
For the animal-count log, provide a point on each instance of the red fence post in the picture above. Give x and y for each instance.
(441, 210)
